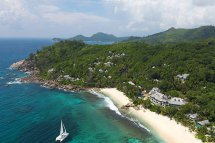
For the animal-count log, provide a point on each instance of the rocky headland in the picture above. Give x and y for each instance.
(33, 77)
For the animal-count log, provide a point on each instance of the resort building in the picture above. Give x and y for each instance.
(158, 98)
(101, 71)
(109, 77)
(154, 90)
(182, 77)
(176, 101)
(108, 64)
(67, 77)
(192, 117)
(204, 122)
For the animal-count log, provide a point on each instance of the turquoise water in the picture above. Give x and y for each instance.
(30, 113)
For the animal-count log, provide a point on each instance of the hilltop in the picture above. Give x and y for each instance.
(101, 37)
(174, 35)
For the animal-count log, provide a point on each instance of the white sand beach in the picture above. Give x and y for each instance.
(167, 129)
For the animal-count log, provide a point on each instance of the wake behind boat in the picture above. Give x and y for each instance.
(63, 133)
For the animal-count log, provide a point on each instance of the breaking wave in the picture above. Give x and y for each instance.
(17, 81)
(108, 102)
(137, 123)
(112, 107)
(10, 68)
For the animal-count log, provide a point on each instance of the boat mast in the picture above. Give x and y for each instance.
(61, 128)
(64, 128)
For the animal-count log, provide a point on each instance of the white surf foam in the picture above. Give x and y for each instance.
(108, 102)
(137, 123)
(10, 68)
(17, 81)
(45, 86)
(111, 106)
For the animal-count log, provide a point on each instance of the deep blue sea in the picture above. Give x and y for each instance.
(30, 113)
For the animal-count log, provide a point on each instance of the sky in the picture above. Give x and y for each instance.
(67, 18)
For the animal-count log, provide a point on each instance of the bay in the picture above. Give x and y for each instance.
(30, 113)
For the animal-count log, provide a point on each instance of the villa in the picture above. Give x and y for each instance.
(158, 98)
(101, 71)
(202, 123)
(176, 101)
(182, 77)
(154, 90)
(67, 77)
(108, 64)
(192, 117)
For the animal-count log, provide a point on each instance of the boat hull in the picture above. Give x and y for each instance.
(61, 137)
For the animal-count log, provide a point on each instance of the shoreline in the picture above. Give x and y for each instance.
(26, 66)
(168, 130)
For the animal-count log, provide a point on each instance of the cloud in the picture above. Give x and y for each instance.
(148, 16)
(13, 13)
(204, 2)
(66, 18)
(70, 18)
(47, 8)
(45, 18)
(70, 23)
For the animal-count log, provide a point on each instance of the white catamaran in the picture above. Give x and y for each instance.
(63, 133)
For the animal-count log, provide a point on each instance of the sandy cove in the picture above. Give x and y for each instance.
(169, 130)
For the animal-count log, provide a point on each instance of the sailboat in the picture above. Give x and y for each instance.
(63, 133)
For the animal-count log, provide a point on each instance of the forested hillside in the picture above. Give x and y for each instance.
(136, 66)
(174, 35)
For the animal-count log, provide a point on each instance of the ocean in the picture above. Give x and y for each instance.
(30, 113)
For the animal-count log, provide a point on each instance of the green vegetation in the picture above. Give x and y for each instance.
(136, 66)
(103, 37)
(173, 35)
